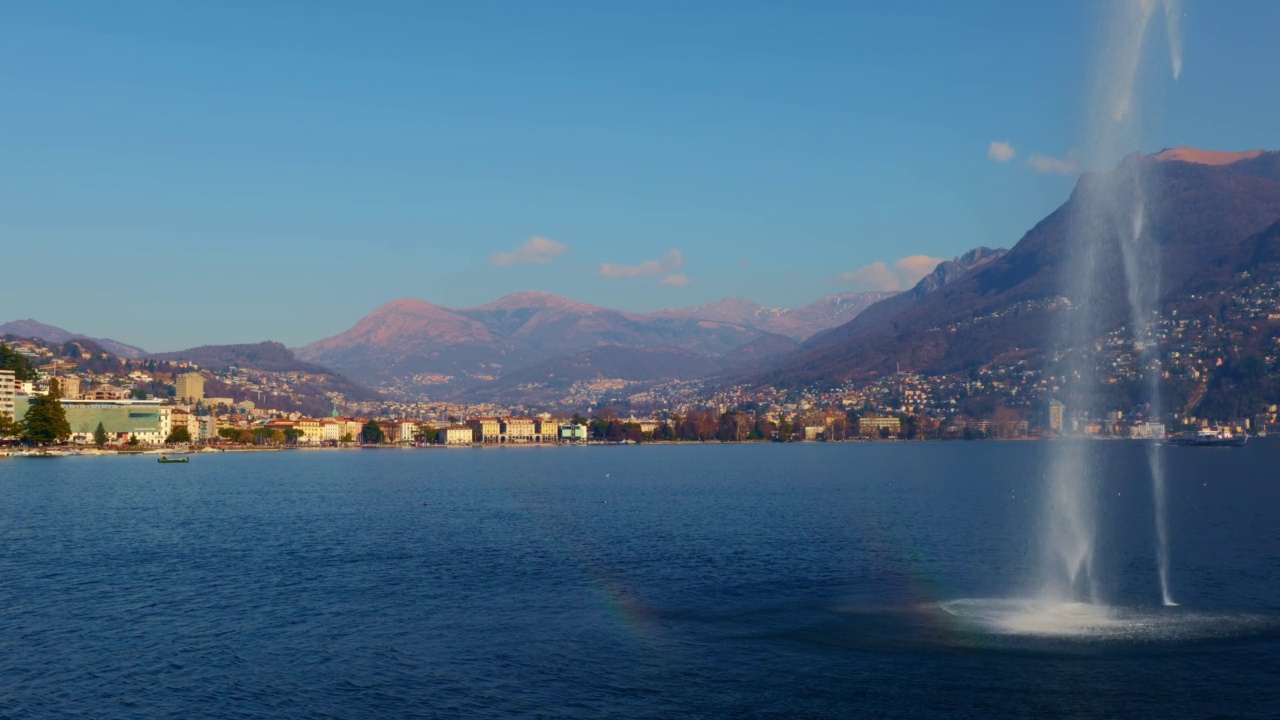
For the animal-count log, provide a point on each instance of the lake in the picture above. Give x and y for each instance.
(806, 580)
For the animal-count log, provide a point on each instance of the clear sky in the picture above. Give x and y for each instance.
(184, 173)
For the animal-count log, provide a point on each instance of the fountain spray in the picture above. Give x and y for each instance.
(1108, 218)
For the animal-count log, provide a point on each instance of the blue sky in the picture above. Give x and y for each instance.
(239, 171)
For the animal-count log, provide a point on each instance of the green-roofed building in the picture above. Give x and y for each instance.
(146, 420)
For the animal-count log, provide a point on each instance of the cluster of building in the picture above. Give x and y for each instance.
(524, 430)
(1013, 396)
(1196, 337)
(126, 419)
(121, 417)
(484, 430)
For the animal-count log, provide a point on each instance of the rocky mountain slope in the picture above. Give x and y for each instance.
(1213, 217)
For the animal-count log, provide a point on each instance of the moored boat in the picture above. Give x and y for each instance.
(1208, 437)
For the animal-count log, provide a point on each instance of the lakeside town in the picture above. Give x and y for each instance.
(114, 403)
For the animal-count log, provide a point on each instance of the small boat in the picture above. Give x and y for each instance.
(164, 459)
(1209, 437)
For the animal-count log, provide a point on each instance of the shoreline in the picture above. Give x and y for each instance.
(71, 451)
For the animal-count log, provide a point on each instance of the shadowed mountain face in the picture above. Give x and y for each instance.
(50, 333)
(1210, 220)
(946, 273)
(549, 382)
(266, 357)
(414, 347)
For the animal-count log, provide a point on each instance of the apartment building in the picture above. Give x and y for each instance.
(312, 431)
(545, 429)
(873, 425)
(7, 387)
(330, 430)
(103, 392)
(179, 418)
(455, 435)
(488, 430)
(406, 430)
(517, 430)
(190, 387)
(69, 387)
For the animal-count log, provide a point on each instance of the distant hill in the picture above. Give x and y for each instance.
(412, 347)
(757, 353)
(49, 333)
(545, 384)
(1214, 217)
(266, 357)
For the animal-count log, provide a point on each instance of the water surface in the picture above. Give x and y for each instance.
(755, 581)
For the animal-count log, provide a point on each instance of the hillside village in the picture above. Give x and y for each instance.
(973, 350)
(1205, 341)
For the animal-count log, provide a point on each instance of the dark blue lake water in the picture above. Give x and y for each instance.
(712, 581)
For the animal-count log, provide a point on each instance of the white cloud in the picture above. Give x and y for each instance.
(875, 276)
(536, 249)
(676, 280)
(900, 275)
(1001, 152)
(913, 267)
(1052, 165)
(661, 266)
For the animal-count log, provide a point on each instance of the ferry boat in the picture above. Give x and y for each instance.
(1209, 437)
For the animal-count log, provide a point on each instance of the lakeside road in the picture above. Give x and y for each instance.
(58, 451)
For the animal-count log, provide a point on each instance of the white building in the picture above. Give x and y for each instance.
(7, 391)
(208, 427)
(517, 430)
(330, 430)
(1147, 431)
(455, 435)
(405, 430)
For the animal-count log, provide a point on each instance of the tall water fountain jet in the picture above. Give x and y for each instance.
(1110, 247)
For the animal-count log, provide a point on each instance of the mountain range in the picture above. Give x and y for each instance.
(50, 333)
(1215, 216)
(412, 347)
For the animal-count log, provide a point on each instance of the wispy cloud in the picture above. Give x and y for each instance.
(1052, 165)
(1001, 152)
(536, 249)
(899, 275)
(661, 266)
(676, 280)
(913, 267)
(875, 276)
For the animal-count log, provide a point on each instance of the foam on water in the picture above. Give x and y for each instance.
(1093, 622)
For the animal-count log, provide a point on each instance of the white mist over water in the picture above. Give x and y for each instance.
(1108, 222)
